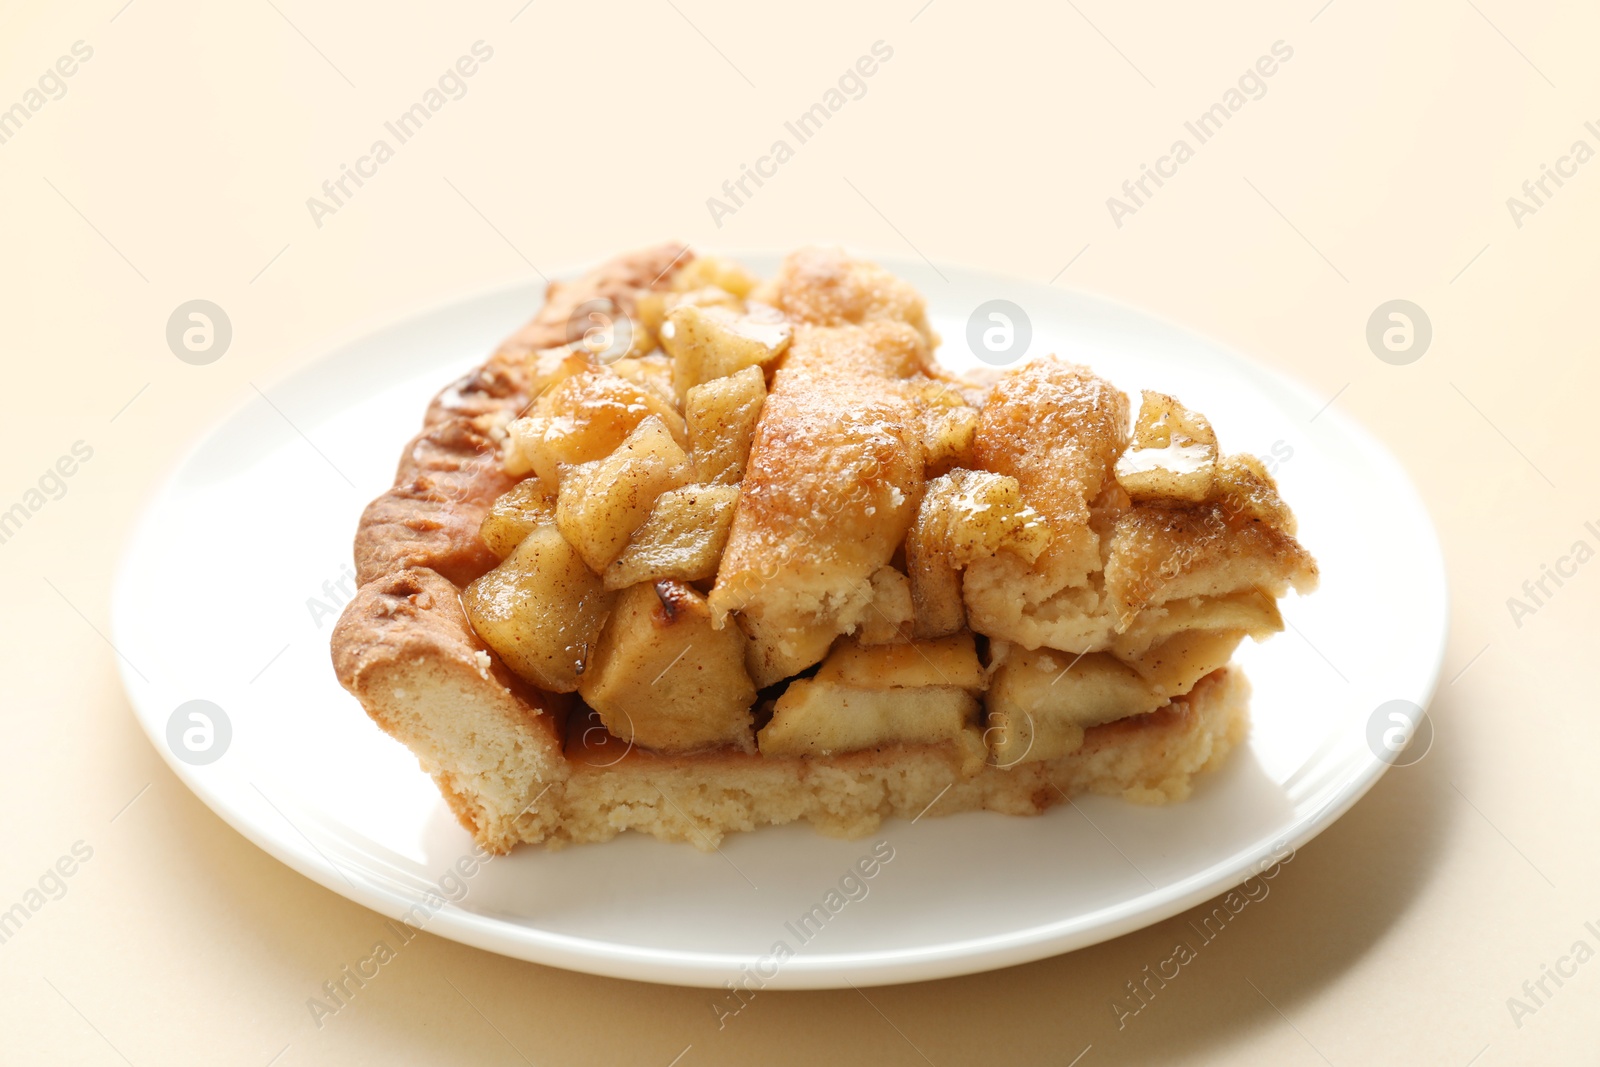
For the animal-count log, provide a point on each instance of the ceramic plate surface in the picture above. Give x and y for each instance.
(235, 574)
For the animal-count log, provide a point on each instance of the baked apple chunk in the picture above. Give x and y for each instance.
(663, 677)
(777, 563)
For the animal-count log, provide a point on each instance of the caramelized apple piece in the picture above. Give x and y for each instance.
(1173, 666)
(516, 513)
(683, 538)
(652, 372)
(602, 503)
(1040, 702)
(721, 416)
(583, 417)
(654, 306)
(541, 610)
(706, 343)
(663, 678)
(818, 718)
(1173, 455)
(965, 516)
(1250, 611)
(715, 271)
(949, 660)
(782, 645)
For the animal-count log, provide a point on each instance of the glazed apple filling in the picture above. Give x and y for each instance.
(777, 525)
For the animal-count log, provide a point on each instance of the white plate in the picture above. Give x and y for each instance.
(217, 601)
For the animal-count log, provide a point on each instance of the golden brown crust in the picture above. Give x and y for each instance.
(405, 649)
(849, 440)
(449, 476)
(841, 427)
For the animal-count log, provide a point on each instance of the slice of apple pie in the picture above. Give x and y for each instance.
(695, 552)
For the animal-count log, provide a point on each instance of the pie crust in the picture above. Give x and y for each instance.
(519, 764)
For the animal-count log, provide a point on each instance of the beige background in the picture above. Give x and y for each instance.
(1377, 166)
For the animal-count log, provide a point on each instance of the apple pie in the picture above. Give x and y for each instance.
(697, 552)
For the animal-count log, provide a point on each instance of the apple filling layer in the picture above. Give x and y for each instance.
(777, 525)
